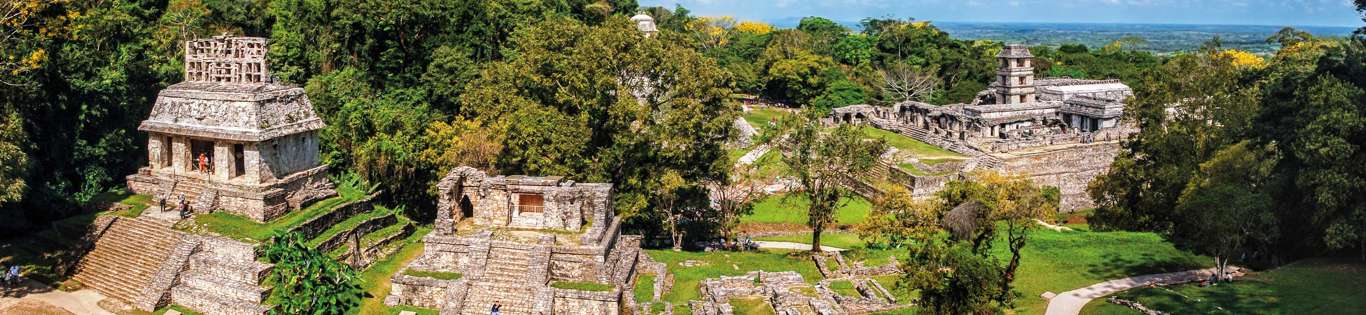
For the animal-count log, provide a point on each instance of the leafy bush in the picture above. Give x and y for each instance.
(307, 281)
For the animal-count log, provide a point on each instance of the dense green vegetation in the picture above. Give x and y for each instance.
(307, 281)
(1247, 159)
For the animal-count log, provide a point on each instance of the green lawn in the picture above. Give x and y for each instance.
(716, 264)
(1052, 261)
(760, 116)
(751, 306)
(645, 288)
(1312, 286)
(908, 144)
(780, 209)
(845, 288)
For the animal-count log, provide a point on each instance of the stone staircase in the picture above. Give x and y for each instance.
(127, 257)
(506, 280)
(206, 201)
(223, 278)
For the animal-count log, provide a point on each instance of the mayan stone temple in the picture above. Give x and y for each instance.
(1060, 132)
(232, 144)
(533, 245)
(229, 138)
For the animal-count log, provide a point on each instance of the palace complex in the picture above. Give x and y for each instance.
(1060, 132)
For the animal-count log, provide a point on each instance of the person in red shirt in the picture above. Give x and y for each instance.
(203, 163)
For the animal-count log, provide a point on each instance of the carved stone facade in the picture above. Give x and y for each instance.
(511, 237)
(229, 139)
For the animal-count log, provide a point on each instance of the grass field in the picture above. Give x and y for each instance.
(908, 144)
(781, 209)
(1312, 286)
(1052, 261)
(759, 117)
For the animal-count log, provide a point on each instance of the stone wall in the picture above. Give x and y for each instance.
(223, 278)
(419, 291)
(288, 154)
(575, 302)
(1070, 169)
(317, 225)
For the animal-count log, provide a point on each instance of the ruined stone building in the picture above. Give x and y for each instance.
(229, 138)
(512, 239)
(1060, 132)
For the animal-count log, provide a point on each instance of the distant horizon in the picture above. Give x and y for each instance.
(794, 19)
(1319, 13)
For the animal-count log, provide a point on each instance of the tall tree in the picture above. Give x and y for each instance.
(824, 162)
(604, 103)
(1225, 210)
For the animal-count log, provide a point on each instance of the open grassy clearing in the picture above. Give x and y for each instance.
(908, 144)
(1312, 286)
(759, 117)
(784, 209)
(1052, 261)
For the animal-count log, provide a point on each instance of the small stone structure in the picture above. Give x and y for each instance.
(1059, 132)
(229, 138)
(511, 237)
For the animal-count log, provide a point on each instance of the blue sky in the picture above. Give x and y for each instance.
(1249, 12)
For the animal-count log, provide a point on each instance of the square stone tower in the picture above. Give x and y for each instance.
(229, 138)
(1015, 75)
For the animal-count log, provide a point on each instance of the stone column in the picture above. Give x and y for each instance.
(180, 155)
(222, 161)
(251, 160)
(154, 150)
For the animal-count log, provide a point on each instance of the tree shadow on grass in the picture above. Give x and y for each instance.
(1113, 266)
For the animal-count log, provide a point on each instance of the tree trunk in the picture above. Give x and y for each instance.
(674, 235)
(1219, 264)
(816, 240)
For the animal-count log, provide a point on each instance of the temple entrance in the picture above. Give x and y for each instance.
(239, 166)
(201, 156)
(466, 207)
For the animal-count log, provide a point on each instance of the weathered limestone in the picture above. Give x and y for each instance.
(228, 138)
(1059, 132)
(511, 237)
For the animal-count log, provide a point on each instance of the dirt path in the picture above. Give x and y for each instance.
(81, 302)
(1071, 302)
(794, 246)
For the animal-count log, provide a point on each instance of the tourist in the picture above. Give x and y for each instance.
(203, 163)
(13, 276)
(496, 308)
